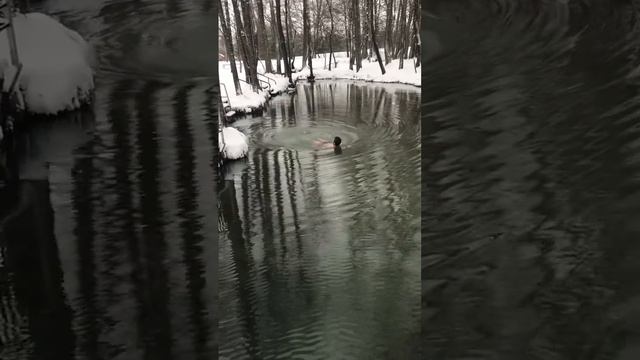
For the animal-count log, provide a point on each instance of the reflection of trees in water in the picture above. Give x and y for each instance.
(261, 223)
(150, 251)
(35, 319)
(243, 261)
(372, 105)
(119, 233)
(83, 173)
(120, 241)
(280, 210)
(143, 226)
(191, 226)
(290, 166)
(262, 193)
(290, 113)
(277, 188)
(550, 181)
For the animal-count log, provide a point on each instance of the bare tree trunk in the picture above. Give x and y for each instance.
(416, 31)
(274, 34)
(283, 45)
(307, 37)
(317, 27)
(218, 125)
(365, 32)
(388, 39)
(262, 29)
(402, 30)
(252, 47)
(408, 32)
(347, 35)
(305, 32)
(242, 40)
(330, 33)
(357, 48)
(287, 15)
(397, 28)
(228, 43)
(311, 76)
(373, 37)
(246, 43)
(352, 30)
(239, 52)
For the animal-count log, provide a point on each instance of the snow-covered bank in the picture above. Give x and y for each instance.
(249, 100)
(56, 74)
(233, 143)
(370, 72)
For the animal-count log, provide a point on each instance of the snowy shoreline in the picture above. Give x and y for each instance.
(362, 80)
(250, 101)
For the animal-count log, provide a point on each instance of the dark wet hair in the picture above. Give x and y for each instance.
(337, 141)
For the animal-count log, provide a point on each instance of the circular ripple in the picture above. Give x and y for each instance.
(302, 138)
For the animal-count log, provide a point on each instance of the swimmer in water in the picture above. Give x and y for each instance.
(326, 144)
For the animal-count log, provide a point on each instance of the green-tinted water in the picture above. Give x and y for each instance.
(320, 252)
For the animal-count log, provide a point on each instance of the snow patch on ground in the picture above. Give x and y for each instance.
(248, 100)
(370, 71)
(56, 74)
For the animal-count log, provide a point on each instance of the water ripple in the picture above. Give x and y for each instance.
(530, 180)
(318, 243)
(154, 39)
(118, 199)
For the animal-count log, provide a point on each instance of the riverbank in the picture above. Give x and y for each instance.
(249, 101)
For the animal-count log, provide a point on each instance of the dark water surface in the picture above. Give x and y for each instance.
(107, 234)
(532, 181)
(320, 252)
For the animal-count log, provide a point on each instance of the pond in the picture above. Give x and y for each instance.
(530, 205)
(320, 250)
(107, 235)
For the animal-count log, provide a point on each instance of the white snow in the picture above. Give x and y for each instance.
(370, 71)
(247, 100)
(56, 74)
(233, 144)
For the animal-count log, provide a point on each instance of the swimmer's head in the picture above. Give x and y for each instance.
(337, 141)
